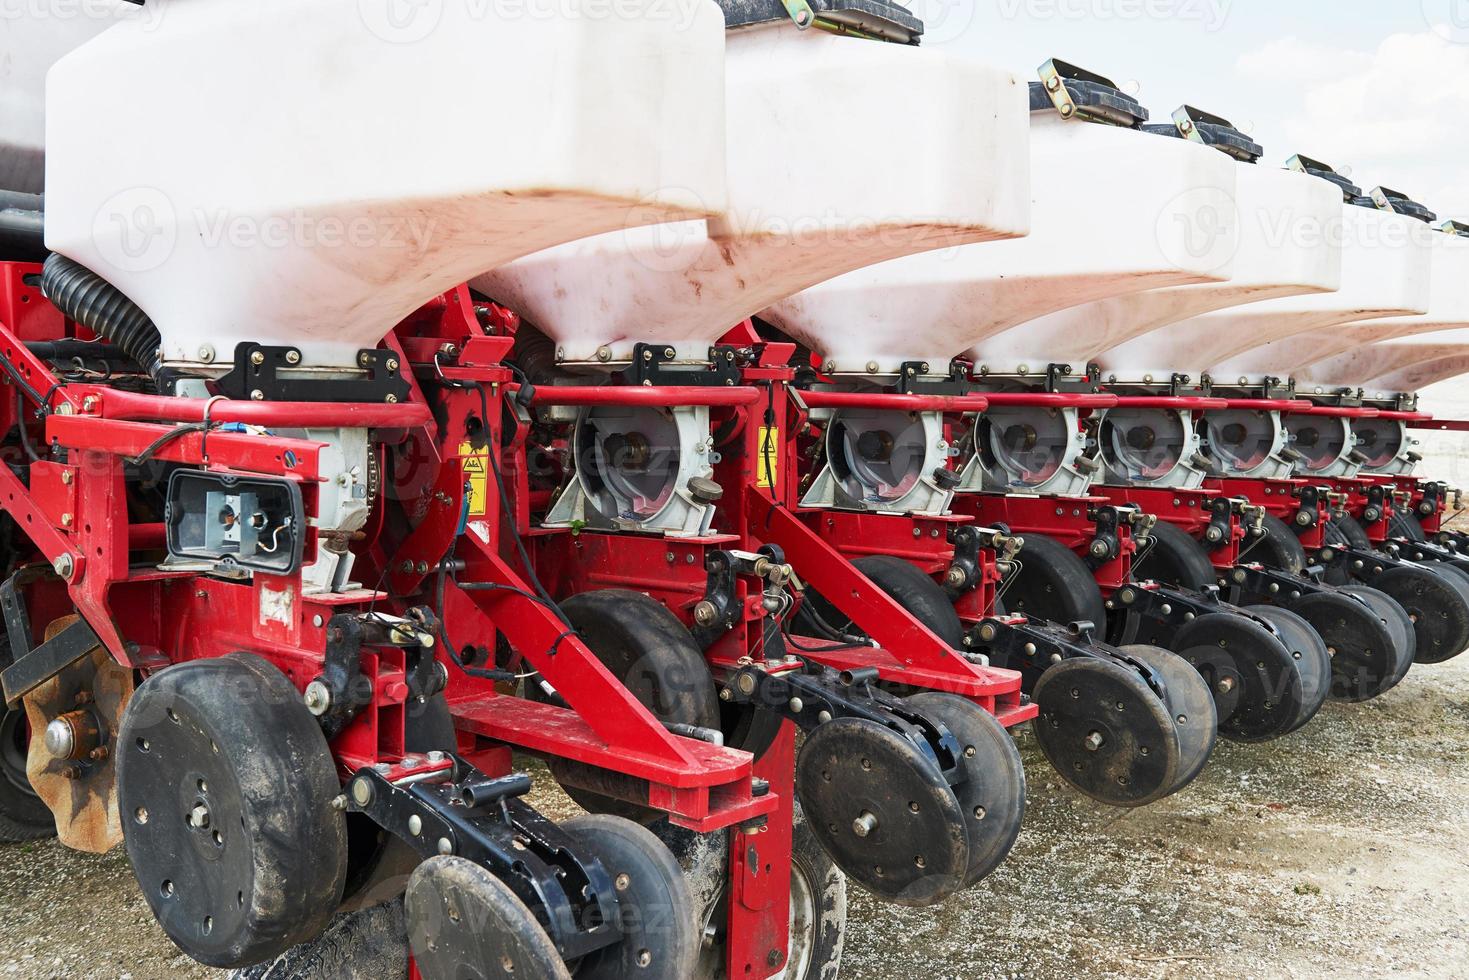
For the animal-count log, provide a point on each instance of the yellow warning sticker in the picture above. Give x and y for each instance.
(769, 456)
(476, 470)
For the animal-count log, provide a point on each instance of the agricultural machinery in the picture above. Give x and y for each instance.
(758, 507)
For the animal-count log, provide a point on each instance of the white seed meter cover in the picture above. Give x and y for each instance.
(1337, 357)
(1289, 244)
(1115, 210)
(1385, 272)
(842, 153)
(307, 172)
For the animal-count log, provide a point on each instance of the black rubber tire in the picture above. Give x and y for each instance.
(1195, 718)
(1276, 547)
(655, 657)
(994, 785)
(1406, 526)
(657, 905)
(1437, 601)
(369, 944)
(1365, 647)
(1174, 557)
(22, 814)
(1310, 654)
(460, 916)
(1054, 583)
(1350, 531)
(1398, 622)
(270, 772)
(1266, 699)
(909, 587)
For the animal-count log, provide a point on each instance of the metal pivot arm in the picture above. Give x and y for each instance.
(873, 611)
(1033, 647)
(462, 811)
(814, 695)
(553, 649)
(1168, 608)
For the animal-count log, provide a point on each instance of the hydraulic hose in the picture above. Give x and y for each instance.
(101, 307)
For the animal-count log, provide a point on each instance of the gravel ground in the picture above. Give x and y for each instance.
(1339, 851)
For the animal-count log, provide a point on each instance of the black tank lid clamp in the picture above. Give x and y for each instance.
(879, 20)
(1351, 193)
(1077, 93)
(1452, 227)
(1387, 199)
(1208, 129)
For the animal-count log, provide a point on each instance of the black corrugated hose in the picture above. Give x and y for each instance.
(101, 307)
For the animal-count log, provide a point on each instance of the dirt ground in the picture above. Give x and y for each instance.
(1340, 851)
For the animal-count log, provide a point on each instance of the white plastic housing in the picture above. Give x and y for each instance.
(1289, 244)
(1385, 272)
(842, 153)
(1403, 365)
(303, 172)
(29, 46)
(1114, 211)
(1322, 354)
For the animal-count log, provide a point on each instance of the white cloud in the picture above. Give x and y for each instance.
(1391, 114)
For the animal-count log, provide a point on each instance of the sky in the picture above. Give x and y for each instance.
(1377, 87)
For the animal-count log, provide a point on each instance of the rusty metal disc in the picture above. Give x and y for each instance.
(79, 782)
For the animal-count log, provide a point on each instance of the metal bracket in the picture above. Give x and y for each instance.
(256, 376)
(1107, 543)
(912, 381)
(36, 666)
(649, 360)
(1033, 647)
(814, 695)
(1076, 92)
(719, 610)
(464, 812)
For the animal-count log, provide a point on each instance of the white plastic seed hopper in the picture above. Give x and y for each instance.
(1386, 272)
(1289, 244)
(1115, 211)
(29, 46)
(833, 165)
(814, 192)
(1330, 359)
(1400, 365)
(337, 170)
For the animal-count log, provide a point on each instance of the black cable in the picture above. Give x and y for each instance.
(20, 423)
(36, 396)
(177, 432)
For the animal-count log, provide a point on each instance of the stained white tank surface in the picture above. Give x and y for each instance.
(1385, 272)
(1308, 356)
(835, 162)
(1289, 244)
(1402, 365)
(307, 172)
(1114, 211)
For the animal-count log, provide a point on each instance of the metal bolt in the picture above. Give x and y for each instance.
(318, 698)
(206, 354)
(865, 824)
(1094, 741)
(67, 520)
(415, 825)
(391, 364)
(257, 395)
(435, 757)
(705, 613)
(391, 399)
(361, 792)
(823, 716)
(199, 817)
(445, 847)
(604, 353)
(796, 705)
(63, 565)
(257, 358)
(1225, 685)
